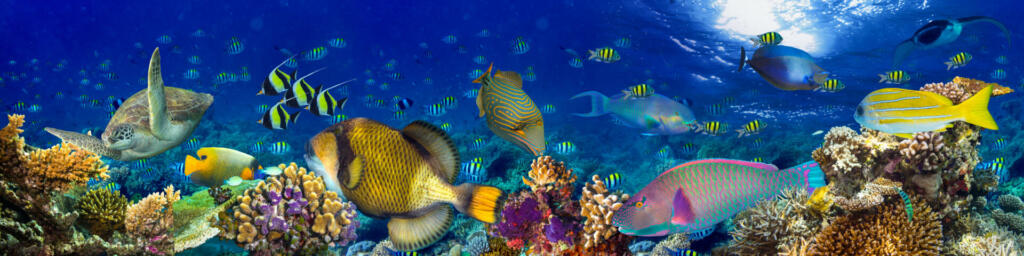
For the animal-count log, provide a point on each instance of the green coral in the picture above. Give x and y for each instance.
(102, 211)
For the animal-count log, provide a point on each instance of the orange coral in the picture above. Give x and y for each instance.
(884, 232)
(150, 220)
(545, 172)
(61, 165)
(962, 88)
(11, 145)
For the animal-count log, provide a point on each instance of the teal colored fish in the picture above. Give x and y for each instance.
(655, 114)
(695, 196)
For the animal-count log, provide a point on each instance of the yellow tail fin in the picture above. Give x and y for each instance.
(975, 110)
(481, 202)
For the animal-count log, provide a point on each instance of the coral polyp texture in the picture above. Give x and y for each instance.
(151, 221)
(292, 213)
(545, 172)
(544, 219)
(597, 205)
(776, 225)
(885, 231)
(962, 88)
(102, 211)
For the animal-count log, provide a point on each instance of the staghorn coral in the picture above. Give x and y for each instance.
(151, 220)
(872, 195)
(545, 172)
(924, 152)
(291, 213)
(102, 211)
(886, 231)
(597, 206)
(772, 226)
(993, 243)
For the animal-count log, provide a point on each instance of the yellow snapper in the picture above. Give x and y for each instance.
(511, 114)
(405, 175)
(215, 166)
(903, 112)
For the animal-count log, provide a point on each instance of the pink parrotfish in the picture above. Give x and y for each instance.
(695, 196)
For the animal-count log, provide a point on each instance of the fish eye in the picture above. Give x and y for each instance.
(639, 204)
(860, 110)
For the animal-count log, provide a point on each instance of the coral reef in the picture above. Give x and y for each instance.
(498, 247)
(598, 204)
(872, 195)
(194, 214)
(102, 211)
(291, 213)
(641, 247)
(1010, 203)
(773, 226)
(673, 242)
(519, 216)
(1013, 222)
(360, 248)
(151, 220)
(962, 88)
(995, 244)
(924, 150)
(33, 217)
(543, 219)
(546, 173)
(477, 243)
(886, 231)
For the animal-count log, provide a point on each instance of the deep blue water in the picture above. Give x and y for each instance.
(687, 49)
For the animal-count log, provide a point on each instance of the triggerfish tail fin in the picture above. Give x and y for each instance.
(972, 19)
(597, 103)
(743, 58)
(411, 234)
(975, 110)
(811, 172)
(478, 201)
(901, 52)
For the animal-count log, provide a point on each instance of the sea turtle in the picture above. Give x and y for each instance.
(140, 129)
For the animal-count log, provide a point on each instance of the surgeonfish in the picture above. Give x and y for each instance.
(940, 32)
(785, 67)
(214, 166)
(277, 81)
(655, 114)
(903, 112)
(405, 175)
(692, 197)
(510, 113)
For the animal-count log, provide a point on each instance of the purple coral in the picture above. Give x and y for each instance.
(519, 218)
(558, 230)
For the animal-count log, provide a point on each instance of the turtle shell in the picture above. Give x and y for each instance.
(182, 106)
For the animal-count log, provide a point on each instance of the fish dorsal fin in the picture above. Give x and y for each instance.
(937, 97)
(480, 79)
(355, 172)
(437, 143)
(763, 166)
(158, 123)
(510, 77)
(480, 101)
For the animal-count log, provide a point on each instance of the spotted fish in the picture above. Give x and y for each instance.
(510, 113)
(697, 195)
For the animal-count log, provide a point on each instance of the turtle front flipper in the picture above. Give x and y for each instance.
(158, 123)
(87, 142)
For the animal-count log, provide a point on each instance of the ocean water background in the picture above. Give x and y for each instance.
(686, 48)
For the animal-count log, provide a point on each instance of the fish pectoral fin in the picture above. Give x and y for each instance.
(682, 212)
(650, 122)
(411, 234)
(904, 135)
(355, 172)
(480, 101)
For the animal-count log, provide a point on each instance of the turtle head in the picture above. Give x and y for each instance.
(122, 137)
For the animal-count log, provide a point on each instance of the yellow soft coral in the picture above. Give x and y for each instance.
(60, 166)
(544, 171)
(597, 205)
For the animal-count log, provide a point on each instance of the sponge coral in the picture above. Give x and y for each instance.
(102, 211)
(292, 213)
(886, 231)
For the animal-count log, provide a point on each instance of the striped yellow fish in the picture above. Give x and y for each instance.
(903, 112)
(511, 114)
(770, 38)
(959, 60)
(831, 85)
(638, 91)
(713, 128)
(894, 77)
(752, 127)
(404, 175)
(604, 54)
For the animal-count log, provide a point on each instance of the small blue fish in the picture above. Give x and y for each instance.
(565, 148)
(478, 143)
(474, 171)
(446, 127)
(612, 181)
(192, 144)
(280, 148)
(257, 147)
(664, 153)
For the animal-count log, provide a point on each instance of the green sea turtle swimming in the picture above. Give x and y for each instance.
(148, 123)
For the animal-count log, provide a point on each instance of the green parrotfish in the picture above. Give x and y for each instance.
(655, 114)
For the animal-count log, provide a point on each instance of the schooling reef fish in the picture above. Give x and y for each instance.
(785, 67)
(656, 114)
(215, 166)
(695, 196)
(903, 112)
(404, 175)
(511, 114)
